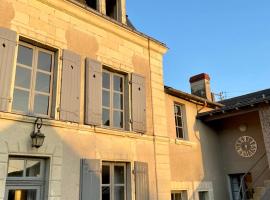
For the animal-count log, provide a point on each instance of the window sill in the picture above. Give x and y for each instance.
(182, 142)
(75, 126)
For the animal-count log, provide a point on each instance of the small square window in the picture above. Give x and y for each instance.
(179, 124)
(203, 195)
(179, 195)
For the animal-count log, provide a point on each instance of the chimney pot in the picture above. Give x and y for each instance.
(200, 86)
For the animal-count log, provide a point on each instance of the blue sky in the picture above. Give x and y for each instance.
(228, 39)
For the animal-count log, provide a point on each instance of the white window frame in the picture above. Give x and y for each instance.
(181, 126)
(34, 69)
(112, 184)
(111, 108)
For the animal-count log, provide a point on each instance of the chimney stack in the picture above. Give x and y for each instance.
(200, 86)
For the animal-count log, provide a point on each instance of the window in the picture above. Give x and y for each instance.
(238, 191)
(92, 4)
(179, 195)
(178, 113)
(203, 195)
(25, 179)
(112, 100)
(33, 80)
(113, 181)
(112, 9)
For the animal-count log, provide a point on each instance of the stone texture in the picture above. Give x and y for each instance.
(265, 123)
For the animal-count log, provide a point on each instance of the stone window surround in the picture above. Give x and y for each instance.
(193, 188)
(50, 151)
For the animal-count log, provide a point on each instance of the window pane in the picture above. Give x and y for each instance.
(25, 55)
(43, 82)
(105, 174)
(118, 119)
(118, 83)
(44, 61)
(41, 105)
(179, 132)
(23, 77)
(15, 168)
(105, 193)
(106, 98)
(32, 168)
(106, 80)
(20, 100)
(119, 175)
(177, 110)
(179, 121)
(118, 101)
(119, 193)
(22, 194)
(106, 117)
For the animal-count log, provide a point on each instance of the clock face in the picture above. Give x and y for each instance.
(246, 146)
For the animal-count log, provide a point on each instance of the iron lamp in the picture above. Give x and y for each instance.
(37, 137)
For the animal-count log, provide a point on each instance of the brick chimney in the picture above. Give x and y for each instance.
(200, 86)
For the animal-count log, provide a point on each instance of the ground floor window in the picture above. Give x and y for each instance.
(25, 179)
(113, 181)
(179, 195)
(203, 195)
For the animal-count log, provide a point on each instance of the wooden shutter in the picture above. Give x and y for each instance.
(90, 179)
(70, 89)
(93, 93)
(8, 40)
(138, 103)
(141, 181)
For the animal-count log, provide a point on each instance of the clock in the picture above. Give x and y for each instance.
(246, 146)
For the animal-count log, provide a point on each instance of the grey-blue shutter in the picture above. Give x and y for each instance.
(93, 92)
(90, 179)
(141, 181)
(138, 103)
(8, 39)
(70, 88)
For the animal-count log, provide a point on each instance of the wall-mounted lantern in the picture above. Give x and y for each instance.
(36, 136)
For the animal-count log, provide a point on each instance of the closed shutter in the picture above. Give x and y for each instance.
(90, 180)
(93, 93)
(70, 89)
(8, 40)
(138, 103)
(141, 181)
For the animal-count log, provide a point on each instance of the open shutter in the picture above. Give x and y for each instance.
(93, 87)
(70, 89)
(90, 180)
(8, 40)
(141, 181)
(138, 103)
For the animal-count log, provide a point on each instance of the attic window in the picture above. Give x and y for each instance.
(112, 8)
(92, 4)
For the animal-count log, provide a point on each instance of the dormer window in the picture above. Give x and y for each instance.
(113, 9)
(92, 4)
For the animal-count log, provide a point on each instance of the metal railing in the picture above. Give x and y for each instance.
(242, 187)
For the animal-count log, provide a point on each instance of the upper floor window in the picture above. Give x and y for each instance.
(33, 80)
(203, 195)
(178, 114)
(113, 9)
(112, 99)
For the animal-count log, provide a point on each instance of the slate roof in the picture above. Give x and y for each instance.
(240, 102)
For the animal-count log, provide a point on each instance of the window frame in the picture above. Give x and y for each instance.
(118, 11)
(111, 92)
(112, 185)
(34, 70)
(183, 193)
(28, 183)
(181, 107)
(205, 192)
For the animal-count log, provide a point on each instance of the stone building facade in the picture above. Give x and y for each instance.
(80, 73)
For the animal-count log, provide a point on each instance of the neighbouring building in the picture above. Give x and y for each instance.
(78, 73)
